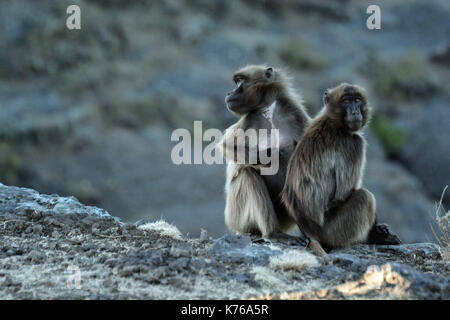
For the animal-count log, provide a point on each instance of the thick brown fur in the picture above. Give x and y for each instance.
(253, 203)
(323, 190)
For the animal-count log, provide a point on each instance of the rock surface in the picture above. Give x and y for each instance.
(56, 248)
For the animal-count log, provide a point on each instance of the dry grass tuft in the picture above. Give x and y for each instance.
(442, 218)
(297, 260)
(163, 228)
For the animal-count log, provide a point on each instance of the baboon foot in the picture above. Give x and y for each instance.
(381, 234)
(317, 249)
(288, 239)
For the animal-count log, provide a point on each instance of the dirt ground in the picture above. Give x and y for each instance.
(56, 248)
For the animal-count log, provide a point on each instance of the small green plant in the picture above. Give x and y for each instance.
(138, 112)
(52, 49)
(297, 54)
(401, 79)
(9, 164)
(389, 135)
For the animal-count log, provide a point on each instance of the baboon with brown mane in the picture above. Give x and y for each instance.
(262, 99)
(323, 192)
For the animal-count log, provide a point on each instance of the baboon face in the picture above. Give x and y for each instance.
(252, 84)
(348, 103)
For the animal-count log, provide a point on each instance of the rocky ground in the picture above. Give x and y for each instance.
(56, 248)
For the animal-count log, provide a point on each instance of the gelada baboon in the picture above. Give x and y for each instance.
(262, 99)
(323, 185)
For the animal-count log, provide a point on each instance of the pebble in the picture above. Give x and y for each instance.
(36, 256)
(160, 273)
(87, 246)
(37, 229)
(180, 252)
(56, 234)
(179, 264)
(36, 215)
(198, 264)
(8, 281)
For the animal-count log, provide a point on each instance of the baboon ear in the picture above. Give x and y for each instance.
(270, 74)
(325, 97)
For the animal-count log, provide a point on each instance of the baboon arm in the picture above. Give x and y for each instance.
(226, 145)
(348, 170)
(314, 191)
(304, 199)
(314, 207)
(230, 145)
(346, 180)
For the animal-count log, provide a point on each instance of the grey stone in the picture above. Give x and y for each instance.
(181, 251)
(424, 250)
(179, 264)
(239, 249)
(36, 256)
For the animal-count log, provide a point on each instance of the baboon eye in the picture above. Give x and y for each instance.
(358, 100)
(346, 101)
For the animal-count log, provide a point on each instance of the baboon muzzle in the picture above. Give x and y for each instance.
(353, 113)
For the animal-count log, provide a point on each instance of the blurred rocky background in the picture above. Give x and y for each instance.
(90, 112)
